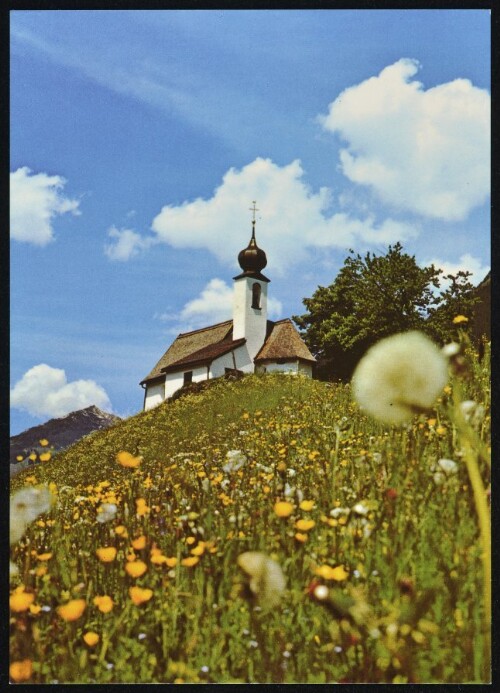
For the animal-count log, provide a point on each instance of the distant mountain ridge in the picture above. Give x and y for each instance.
(60, 433)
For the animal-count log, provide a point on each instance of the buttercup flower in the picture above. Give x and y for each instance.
(459, 319)
(304, 525)
(106, 554)
(21, 671)
(399, 376)
(104, 603)
(20, 600)
(72, 610)
(127, 460)
(90, 638)
(139, 595)
(267, 581)
(328, 573)
(136, 568)
(283, 508)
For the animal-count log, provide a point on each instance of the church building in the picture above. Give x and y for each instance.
(249, 343)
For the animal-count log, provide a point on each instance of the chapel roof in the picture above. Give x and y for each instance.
(283, 342)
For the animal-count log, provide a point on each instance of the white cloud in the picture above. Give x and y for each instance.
(425, 151)
(35, 199)
(44, 391)
(466, 263)
(127, 245)
(213, 305)
(293, 218)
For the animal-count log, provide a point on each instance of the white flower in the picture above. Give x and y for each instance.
(235, 460)
(472, 412)
(400, 376)
(13, 569)
(25, 506)
(267, 581)
(336, 512)
(450, 350)
(205, 485)
(106, 512)
(448, 466)
(291, 472)
(289, 490)
(360, 509)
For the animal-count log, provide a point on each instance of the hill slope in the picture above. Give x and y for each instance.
(274, 464)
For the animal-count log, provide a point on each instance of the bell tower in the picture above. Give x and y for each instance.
(250, 296)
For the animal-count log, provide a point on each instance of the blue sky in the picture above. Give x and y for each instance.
(140, 138)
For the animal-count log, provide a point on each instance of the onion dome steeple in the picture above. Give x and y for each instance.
(252, 259)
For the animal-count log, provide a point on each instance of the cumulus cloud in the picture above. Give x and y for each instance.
(466, 263)
(35, 200)
(128, 243)
(213, 305)
(45, 391)
(424, 151)
(294, 218)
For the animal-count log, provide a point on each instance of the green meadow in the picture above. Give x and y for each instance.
(133, 574)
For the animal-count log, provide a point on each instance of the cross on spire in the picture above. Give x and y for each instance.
(254, 209)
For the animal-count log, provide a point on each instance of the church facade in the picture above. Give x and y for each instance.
(249, 343)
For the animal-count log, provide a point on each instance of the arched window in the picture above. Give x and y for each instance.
(256, 289)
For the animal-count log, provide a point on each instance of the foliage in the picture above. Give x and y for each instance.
(373, 297)
(396, 548)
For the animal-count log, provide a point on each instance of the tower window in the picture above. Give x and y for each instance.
(256, 291)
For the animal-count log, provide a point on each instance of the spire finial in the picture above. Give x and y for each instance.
(253, 209)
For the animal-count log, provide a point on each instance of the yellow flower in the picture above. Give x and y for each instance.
(460, 318)
(128, 460)
(190, 561)
(35, 609)
(104, 603)
(45, 456)
(91, 639)
(72, 610)
(139, 543)
(121, 530)
(329, 573)
(171, 561)
(136, 568)
(44, 442)
(21, 671)
(141, 506)
(301, 537)
(106, 554)
(304, 525)
(441, 430)
(21, 600)
(19, 458)
(139, 595)
(198, 550)
(283, 508)
(307, 505)
(44, 556)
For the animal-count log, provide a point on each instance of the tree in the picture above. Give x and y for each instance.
(373, 297)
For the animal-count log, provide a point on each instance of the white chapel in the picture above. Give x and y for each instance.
(249, 343)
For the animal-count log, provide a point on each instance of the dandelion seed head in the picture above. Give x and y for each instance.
(399, 376)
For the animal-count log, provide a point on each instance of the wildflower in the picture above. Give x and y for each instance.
(141, 507)
(139, 543)
(400, 376)
(301, 537)
(44, 556)
(45, 456)
(25, 506)
(283, 508)
(72, 610)
(472, 412)
(44, 442)
(328, 573)
(171, 561)
(360, 509)
(106, 554)
(90, 638)
(35, 609)
(321, 592)
(13, 569)
(304, 525)
(136, 568)
(336, 512)
(20, 600)
(121, 530)
(128, 460)
(104, 603)
(235, 460)
(459, 319)
(190, 561)
(139, 595)
(307, 505)
(106, 512)
(21, 671)
(448, 466)
(267, 581)
(450, 350)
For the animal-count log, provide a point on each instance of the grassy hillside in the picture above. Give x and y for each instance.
(333, 498)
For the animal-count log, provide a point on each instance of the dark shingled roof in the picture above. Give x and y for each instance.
(188, 343)
(283, 342)
(203, 346)
(206, 354)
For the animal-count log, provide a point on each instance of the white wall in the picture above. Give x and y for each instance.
(241, 357)
(155, 394)
(176, 380)
(306, 369)
(249, 322)
(273, 367)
